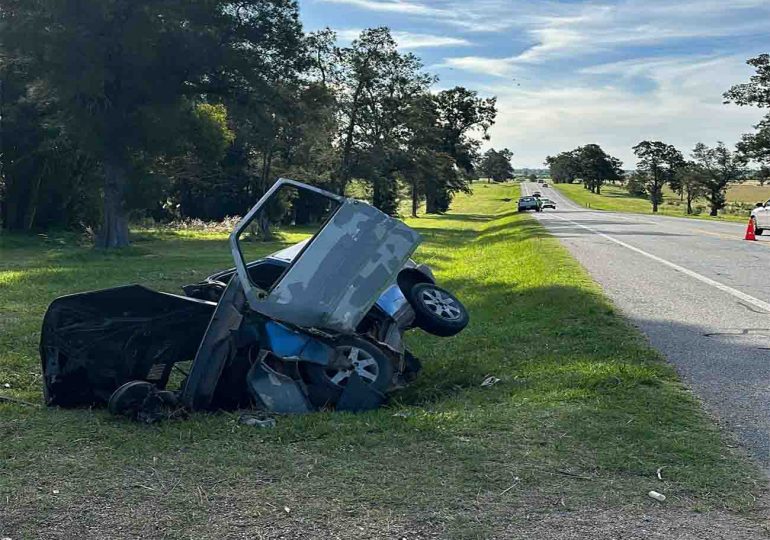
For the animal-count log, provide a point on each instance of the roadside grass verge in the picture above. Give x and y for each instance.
(583, 417)
(616, 199)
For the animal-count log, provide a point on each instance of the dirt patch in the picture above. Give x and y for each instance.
(232, 519)
(648, 524)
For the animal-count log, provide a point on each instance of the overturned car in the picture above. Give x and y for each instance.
(317, 325)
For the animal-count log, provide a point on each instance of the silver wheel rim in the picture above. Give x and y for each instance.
(363, 362)
(441, 305)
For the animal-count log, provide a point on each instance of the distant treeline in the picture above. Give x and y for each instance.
(169, 109)
(708, 171)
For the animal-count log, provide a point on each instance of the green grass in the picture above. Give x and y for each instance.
(617, 199)
(584, 415)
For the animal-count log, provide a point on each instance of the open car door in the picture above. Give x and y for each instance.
(330, 286)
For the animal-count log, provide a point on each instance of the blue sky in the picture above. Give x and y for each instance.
(568, 73)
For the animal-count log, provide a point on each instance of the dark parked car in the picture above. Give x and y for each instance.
(529, 203)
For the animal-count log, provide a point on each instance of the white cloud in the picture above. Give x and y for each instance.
(686, 107)
(409, 40)
(604, 28)
(393, 6)
(496, 67)
(571, 94)
(557, 30)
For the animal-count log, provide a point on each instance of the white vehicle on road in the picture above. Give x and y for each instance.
(760, 217)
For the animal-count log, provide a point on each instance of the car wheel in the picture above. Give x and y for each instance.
(366, 359)
(438, 311)
(128, 398)
(757, 230)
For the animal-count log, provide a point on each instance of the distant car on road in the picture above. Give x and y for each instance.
(760, 217)
(529, 203)
(537, 194)
(547, 203)
(545, 184)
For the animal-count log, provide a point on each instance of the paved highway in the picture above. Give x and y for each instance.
(697, 290)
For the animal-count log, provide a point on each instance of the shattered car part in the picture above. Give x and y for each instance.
(319, 324)
(94, 342)
(339, 274)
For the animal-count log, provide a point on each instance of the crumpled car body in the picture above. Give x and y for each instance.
(317, 325)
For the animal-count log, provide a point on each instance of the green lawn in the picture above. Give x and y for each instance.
(617, 199)
(584, 415)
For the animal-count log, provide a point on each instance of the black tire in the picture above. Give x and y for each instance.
(757, 230)
(325, 385)
(438, 311)
(128, 399)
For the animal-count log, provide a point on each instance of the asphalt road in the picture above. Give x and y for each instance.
(698, 291)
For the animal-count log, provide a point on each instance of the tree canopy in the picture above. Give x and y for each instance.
(496, 165)
(756, 92)
(589, 163)
(657, 166)
(719, 167)
(173, 109)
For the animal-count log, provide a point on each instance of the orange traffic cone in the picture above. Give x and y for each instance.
(750, 231)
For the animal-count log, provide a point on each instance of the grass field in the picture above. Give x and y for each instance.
(584, 415)
(616, 199)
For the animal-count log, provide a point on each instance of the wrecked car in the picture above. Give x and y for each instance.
(317, 325)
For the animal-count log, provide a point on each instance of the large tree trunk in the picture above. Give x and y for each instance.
(114, 231)
(431, 205)
(415, 199)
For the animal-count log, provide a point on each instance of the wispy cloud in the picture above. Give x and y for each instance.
(684, 107)
(410, 40)
(495, 67)
(569, 72)
(557, 30)
(394, 6)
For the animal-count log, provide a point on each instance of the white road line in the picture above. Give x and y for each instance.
(756, 302)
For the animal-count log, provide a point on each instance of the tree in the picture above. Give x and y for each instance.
(636, 184)
(721, 167)
(692, 180)
(47, 181)
(596, 167)
(126, 73)
(461, 115)
(763, 175)
(564, 167)
(379, 86)
(756, 92)
(658, 163)
(361, 66)
(496, 165)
